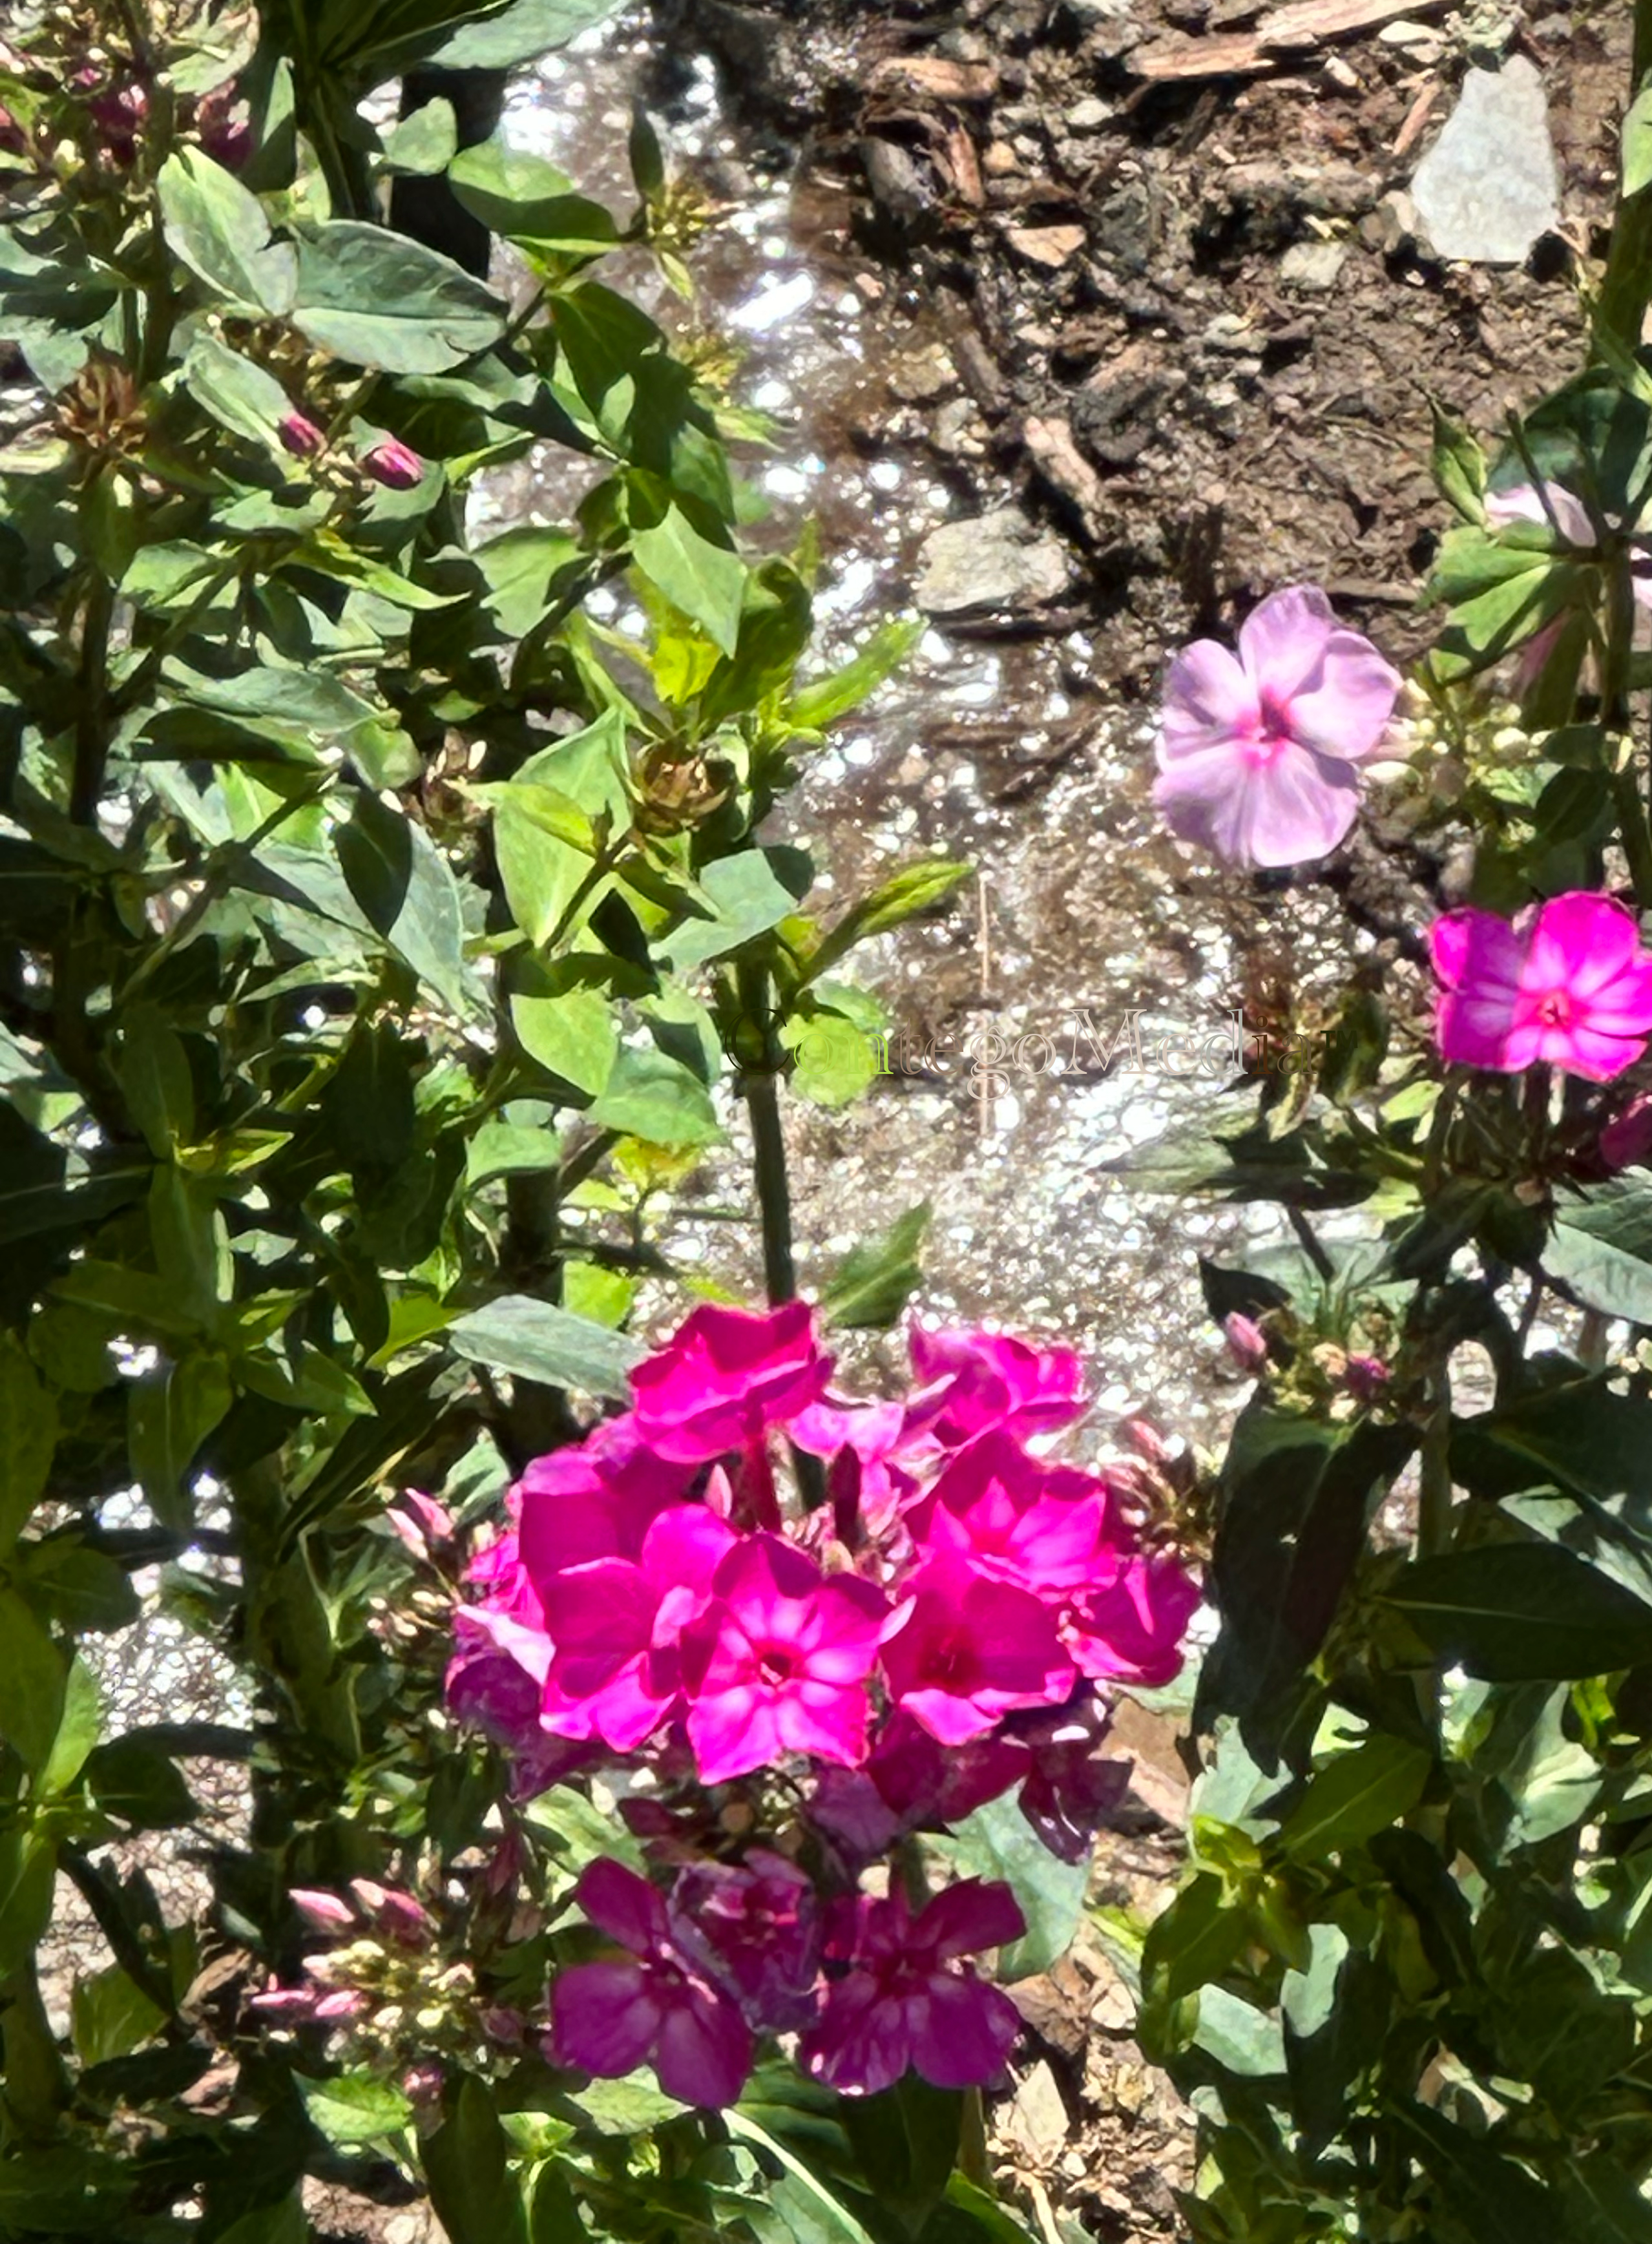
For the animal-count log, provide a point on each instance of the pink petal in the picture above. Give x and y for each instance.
(976, 1913)
(1207, 698)
(734, 1731)
(862, 2044)
(1584, 1051)
(1348, 712)
(1579, 942)
(622, 1905)
(704, 2053)
(1520, 502)
(604, 2018)
(1282, 643)
(963, 2032)
(1475, 1036)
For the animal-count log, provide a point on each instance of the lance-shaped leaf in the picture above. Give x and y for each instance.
(218, 229)
(380, 300)
(1522, 1612)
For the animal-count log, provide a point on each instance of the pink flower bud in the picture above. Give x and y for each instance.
(14, 141)
(322, 1912)
(343, 2003)
(300, 437)
(1366, 1378)
(393, 1912)
(226, 132)
(393, 464)
(1144, 1437)
(1247, 1344)
(284, 2002)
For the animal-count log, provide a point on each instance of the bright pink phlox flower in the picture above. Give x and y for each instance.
(657, 2008)
(1014, 1518)
(419, 1523)
(975, 1380)
(907, 2000)
(1566, 984)
(868, 1485)
(1520, 504)
(755, 1928)
(1259, 752)
(778, 1661)
(1626, 1142)
(595, 1499)
(617, 1624)
(963, 1650)
(725, 1378)
(1128, 1627)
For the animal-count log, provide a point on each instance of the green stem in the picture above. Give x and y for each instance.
(1628, 280)
(91, 722)
(773, 1188)
(36, 2084)
(1435, 1491)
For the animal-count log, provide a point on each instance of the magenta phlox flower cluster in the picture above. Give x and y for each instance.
(942, 1630)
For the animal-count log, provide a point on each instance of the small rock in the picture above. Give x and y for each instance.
(1314, 265)
(1392, 226)
(936, 76)
(1488, 188)
(920, 377)
(1048, 245)
(1341, 74)
(1089, 115)
(999, 159)
(958, 429)
(992, 563)
(1036, 2119)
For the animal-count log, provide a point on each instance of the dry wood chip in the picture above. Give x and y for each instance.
(1302, 24)
(1049, 245)
(936, 75)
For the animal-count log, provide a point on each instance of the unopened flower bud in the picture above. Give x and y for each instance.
(1626, 1142)
(1366, 1376)
(322, 1912)
(1247, 1342)
(226, 132)
(393, 464)
(300, 437)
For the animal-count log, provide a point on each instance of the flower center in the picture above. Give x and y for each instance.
(1273, 734)
(775, 1664)
(1554, 1011)
(954, 1666)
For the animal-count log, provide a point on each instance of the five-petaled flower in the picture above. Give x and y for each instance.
(1568, 984)
(1259, 754)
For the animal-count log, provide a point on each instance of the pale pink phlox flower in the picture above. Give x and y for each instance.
(1520, 502)
(1566, 985)
(1259, 754)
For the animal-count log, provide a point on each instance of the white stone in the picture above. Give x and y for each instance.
(1488, 187)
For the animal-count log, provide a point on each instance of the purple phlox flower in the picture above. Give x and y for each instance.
(1626, 1142)
(1566, 984)
(617, 1625)
(899, 1997)
(656, 2008)
(726, 1377)
(1070, 1792)
(868, 1484)
(777, 1663)
(223, 122)
(974, 1380)
(963, 1650)
(1366, 1378)
(1128, 1625)
(1259, 754)
(927, 1785)
(1016, 1518)
(754, 1928)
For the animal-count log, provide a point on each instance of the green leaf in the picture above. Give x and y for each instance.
(748, 897)
(534, 1339)
(833, 1060)
(506, 1148)
(527, 571)
(1601, 1248)
(1522, 1612)
(85, 1591)
(33, 1680)
(543, 872)
(1459, 465)
(354, 2107)
(997, 1841)
(519, 33)
(1637, 143)
(914, 888)
(835, 2223)
(109, 2016)
(218, 229)
(706, 582)
(1495, 2201)
(465, 2164)
(1355, 1797)
(76, 1731)
(243, 399)
(406, 886)
(424, 143)
(1558, 2031)
(874, 1281)
(28, 1440)
(527, 201)
(823, 701)
(651, 1096)
(573, 1036)
(381, 299)
(133, 1779)
(1573, 1434)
